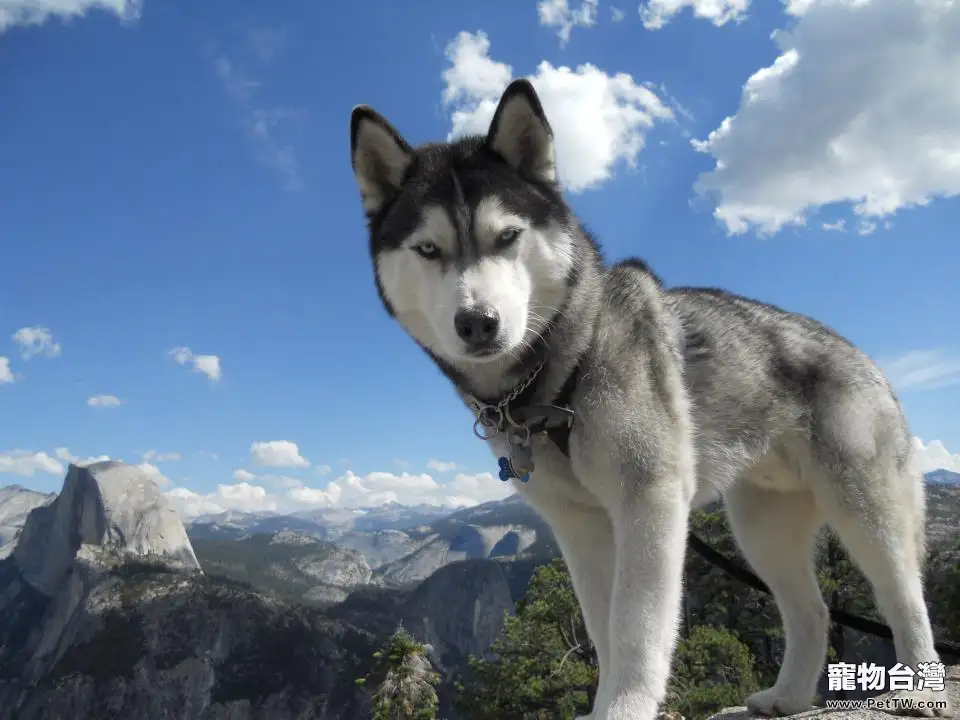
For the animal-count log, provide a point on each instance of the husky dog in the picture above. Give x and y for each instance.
(677, 396)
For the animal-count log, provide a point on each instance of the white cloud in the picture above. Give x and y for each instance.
(67, 456)
(315, 496)
(934, 456)
(154, 473)
(862, 107)
(35, 12)
(159, 457)
(616, 14)
(349, 490)
(26, 463)
(469, 490)
(323, 470)
(657, 13)
(6, 374)
(284, 481)
(441, 466)
(280, 481)
(253, 492)
(598, 120)
(36, 340)
(191, 504)
(379, 488)
(266, 44)
(277, 453)
(209, 365)
(207, 455)
(922, 370)
(104, 401)
(267, 126)
(559, 14)
(241, 496)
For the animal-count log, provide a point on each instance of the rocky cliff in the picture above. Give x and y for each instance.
(106, 512)
(293, 565)
(104, 612)
(323, 563)
(458, 611)
(16, 502)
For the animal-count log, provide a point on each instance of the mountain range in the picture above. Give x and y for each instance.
(942, 477)
(325, 553)
(109, 601)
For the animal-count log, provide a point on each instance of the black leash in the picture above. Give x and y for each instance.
(557, 422)
(854, 622)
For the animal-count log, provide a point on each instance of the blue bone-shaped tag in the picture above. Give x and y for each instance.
(506, 471)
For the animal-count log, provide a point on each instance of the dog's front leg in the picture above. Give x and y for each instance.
(584, 533)
(585, 538)
(649, 529)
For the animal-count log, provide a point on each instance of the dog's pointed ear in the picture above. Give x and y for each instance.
(380, 157)
(521, 135)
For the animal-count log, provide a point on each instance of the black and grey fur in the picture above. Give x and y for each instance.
(681, 394)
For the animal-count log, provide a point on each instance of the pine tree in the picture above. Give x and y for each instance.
(943, 588)
(714, 599)
(405, 680)
(712, 670)
(543, 664)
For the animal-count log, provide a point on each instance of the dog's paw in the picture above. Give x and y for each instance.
(921, 703)
(774, 702)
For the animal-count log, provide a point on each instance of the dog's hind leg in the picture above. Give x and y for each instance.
(878, 514)
(776, 532)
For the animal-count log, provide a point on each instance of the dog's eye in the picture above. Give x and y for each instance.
(427, 250)
(507, 237)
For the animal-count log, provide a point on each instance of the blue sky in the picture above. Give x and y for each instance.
(181, 230)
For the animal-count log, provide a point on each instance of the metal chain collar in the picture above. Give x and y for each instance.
(491, 417)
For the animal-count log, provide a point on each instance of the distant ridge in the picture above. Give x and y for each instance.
(942, 477)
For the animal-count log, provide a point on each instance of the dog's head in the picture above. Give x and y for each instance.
(472, 243)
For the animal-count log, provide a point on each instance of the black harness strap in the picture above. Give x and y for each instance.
(555, 419)
(560, 434)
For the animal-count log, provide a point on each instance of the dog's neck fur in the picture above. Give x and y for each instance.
(559, 348)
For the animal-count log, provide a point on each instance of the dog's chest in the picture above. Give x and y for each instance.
(552, 479)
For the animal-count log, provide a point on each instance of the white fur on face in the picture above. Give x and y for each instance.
(411, 284)
(525, 284)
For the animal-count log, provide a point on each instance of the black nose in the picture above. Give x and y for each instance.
(477, 326)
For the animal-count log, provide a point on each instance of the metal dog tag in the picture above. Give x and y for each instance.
(521, 459)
